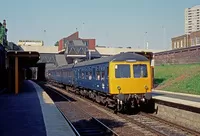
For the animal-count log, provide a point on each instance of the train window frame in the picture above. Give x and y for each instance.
(98, 73)
(83, 74)
(117, 66)
(90, 73)
(86, 74)
(134, 75)
(94, 72)
(103, 75)
(80, 74)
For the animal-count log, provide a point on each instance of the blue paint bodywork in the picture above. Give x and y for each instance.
(71, 75)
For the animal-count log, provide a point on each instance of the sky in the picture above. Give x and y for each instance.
(113, 23)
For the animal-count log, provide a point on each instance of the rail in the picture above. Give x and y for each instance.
(157, 126)
(83, 123)
(173, 125)
(160, 126)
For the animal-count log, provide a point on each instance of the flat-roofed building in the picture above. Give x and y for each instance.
(30, 43)
(186, 40)
(182, 41)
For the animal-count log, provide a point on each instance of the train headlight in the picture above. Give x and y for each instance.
(146, 87)
(119, 88)
(143, 100)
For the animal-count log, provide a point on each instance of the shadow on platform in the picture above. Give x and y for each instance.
(21, 114)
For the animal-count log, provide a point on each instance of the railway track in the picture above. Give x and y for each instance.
(151, 125)
(160, 126)
(82, 123)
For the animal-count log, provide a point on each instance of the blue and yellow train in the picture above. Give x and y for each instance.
(123, 81)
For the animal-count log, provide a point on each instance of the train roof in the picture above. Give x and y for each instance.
(114, 58)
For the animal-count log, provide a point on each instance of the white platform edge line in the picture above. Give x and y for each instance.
(169, 92)
(178, 101)
(49, 111)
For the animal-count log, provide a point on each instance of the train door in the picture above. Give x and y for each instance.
(76, 76)
(107, 78)
(73, 76)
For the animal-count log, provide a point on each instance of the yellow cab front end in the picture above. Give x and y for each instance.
(130, 77)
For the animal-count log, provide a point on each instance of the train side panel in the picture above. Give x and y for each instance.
(67, 76)
(58, 77)
(94, 77)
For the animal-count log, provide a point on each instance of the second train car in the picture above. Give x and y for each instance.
(123, 81)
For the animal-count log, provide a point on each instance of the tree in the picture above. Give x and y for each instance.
(56, 44)
(2, 34)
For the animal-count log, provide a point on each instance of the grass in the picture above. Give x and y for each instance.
(178, 78)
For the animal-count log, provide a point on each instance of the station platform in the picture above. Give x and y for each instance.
(31, 113)
(178, 98)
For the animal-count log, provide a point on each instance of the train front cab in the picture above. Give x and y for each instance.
(130, 78)
(132, 83)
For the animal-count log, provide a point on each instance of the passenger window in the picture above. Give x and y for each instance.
(86, 75)
(140, 71)
(98, 75)
(102, 75)
(83, 75)
(122, 71)
(94, 72)
(90, 75)
(80, 74)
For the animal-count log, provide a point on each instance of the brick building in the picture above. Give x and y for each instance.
(76, 42)
(185, 40)
(195, 38)
(182, 41)
(77, 49)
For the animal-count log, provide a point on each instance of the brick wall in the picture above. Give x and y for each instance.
(92, 43)
(60, 45)
(179, 56)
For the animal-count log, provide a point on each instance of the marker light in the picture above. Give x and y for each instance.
(131, 60)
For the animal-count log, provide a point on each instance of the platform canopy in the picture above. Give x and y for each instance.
(17, 60)
(25, 58)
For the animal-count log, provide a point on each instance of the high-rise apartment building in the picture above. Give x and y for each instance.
(192, 19)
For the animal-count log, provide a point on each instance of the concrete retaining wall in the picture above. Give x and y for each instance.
(181, 117)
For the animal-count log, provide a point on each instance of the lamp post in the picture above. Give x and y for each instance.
(145, 38)
(187, 39)
(164, 33)
(44, 36)
(83, 27)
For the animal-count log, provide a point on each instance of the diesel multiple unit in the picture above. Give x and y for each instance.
(123, 81)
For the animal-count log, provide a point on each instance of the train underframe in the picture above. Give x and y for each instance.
(128, 103)
(134, 102)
